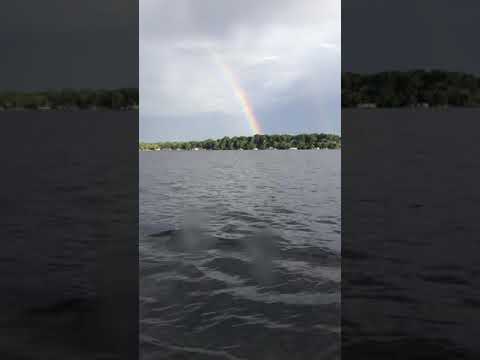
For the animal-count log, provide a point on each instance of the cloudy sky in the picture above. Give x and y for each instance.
(410, 34)
(283, 54)
(53, 44)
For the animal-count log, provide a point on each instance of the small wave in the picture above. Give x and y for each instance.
(301, 298)
(444, 279)
(189, 350)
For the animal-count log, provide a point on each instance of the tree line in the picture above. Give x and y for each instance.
(117, 99)
(260, 142)
(410, 88)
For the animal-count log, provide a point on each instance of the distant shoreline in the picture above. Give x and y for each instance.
(434, 89)
(256, 142)
(203, 150)
(124, 99)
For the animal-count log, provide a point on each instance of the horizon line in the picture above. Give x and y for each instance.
(238, 136)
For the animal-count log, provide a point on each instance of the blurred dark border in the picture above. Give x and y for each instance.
(69, 185)
(410, 195)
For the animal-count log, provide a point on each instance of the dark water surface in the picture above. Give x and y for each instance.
(240, 255)
(68, 226)
(410, 234)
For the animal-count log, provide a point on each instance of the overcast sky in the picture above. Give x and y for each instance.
(380, 35)
(52, 44)
(285, 55)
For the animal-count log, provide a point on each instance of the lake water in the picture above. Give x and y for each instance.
(410, 199)
(240, 254)
(69, 230)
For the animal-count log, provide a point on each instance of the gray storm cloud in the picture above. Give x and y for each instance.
(271, 46)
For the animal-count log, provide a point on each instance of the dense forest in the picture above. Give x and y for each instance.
(118, 99)
(259, 142)
(411, 88)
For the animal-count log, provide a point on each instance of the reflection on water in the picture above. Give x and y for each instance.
(240, 255)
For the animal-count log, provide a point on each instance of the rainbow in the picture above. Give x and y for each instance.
(240, 94)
